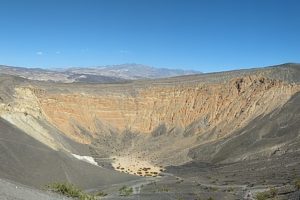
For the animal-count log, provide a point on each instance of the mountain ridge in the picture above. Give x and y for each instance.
(98, 74)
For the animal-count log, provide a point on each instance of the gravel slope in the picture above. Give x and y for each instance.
(27, 161)
(14, 191)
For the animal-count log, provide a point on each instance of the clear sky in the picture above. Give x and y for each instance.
(206, 35)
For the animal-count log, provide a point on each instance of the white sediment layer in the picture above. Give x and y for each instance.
(87, 159)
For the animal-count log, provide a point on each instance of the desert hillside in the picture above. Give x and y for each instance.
(172, 128)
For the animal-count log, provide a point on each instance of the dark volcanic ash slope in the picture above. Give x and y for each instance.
(30, 162)
(264, 154)
(276, 133)
(11, 191)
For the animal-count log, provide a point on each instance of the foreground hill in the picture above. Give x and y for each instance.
(11, 190)
(27, 161)
(227, 135)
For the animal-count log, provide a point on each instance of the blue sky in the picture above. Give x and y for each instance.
(206, 35)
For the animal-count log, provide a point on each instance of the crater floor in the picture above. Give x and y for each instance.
(135, 166)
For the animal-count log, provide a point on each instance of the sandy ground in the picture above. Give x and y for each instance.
(132, 165)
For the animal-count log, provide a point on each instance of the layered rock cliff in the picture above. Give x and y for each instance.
(189, 111)
(223, 106)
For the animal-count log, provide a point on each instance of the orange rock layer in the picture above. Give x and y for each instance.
(222, 106)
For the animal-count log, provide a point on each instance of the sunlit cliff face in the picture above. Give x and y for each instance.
(222, 106)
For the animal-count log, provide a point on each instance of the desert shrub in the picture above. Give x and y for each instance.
(101, 194)
(179, 198)
(262, 196)
(271, 193)
(297, 184)
(125, 191)
(69, 190)
(164, 189)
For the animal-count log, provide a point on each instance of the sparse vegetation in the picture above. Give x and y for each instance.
(164, 189)
(297, 184)
(261, 196)
(69, 190)
(271, 193)
(125, 191)
(101, 194)
(179, 180)
(179, 198)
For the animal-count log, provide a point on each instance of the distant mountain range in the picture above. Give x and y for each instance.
(100, 74)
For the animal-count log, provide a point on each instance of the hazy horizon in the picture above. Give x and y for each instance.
(139, 64)
(207, 36)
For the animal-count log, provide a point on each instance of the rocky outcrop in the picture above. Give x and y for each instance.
(25, 113)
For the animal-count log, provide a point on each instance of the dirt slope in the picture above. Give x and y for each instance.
(30, 162)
